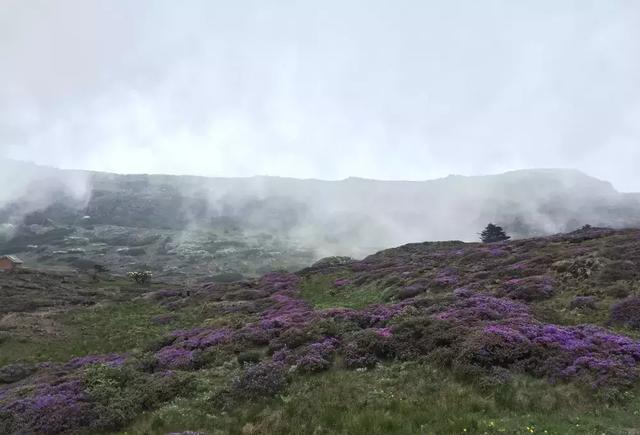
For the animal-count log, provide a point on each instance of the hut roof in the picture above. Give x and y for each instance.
(12, 258)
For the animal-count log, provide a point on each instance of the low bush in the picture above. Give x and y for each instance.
(583, 302)
(417, 337)
(15, 372)
(120, 393)
(293, 337)
(261, 380)
(619, 289)
(411, 291)
(529, 289)
(626, 313)
(619, 270)
(60, 406)
(249, 357)
(367, 347)
(493, 346)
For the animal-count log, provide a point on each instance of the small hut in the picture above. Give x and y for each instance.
(9, 263)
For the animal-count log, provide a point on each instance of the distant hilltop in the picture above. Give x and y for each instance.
(354, 212)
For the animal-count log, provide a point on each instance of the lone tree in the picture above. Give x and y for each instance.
(493, 233)
(140, 277)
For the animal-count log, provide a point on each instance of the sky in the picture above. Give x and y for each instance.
(378, 89)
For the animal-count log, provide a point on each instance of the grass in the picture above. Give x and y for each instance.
(121, 327)
(396, 398)
(321, 293)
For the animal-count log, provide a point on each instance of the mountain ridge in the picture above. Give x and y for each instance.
(278, 221)
(515, 172)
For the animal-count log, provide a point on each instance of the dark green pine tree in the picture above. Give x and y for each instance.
(493, 233)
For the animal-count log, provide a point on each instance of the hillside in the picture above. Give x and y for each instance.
(202, 229)
(536, 335)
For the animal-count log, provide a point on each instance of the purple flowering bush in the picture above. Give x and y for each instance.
(316, 356)
(51, 407)
(481, 333)
(95, 395)
(175, 358)
(446, 278)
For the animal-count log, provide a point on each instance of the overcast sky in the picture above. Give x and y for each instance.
(325, 89)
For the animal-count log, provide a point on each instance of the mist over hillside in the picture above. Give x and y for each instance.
(133, 221)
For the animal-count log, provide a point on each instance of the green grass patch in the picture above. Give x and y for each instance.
(398, 398)
(121, 327)
(321, 292)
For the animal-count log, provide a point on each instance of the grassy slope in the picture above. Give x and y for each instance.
(418, 398)
(398, 398)
(394, 397)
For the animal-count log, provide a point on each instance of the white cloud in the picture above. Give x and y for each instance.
(405, 90)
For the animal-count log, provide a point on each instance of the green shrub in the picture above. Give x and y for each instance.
(121, 393)
(619, 270)
(619, 289)
(419, 336)
(366, 348)
(140, 277)
(261, 380)
(249, 357)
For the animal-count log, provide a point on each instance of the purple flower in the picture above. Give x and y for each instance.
(51, 408)
(175, 357)
(446, 277)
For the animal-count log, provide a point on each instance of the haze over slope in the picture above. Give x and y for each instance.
(313, 217)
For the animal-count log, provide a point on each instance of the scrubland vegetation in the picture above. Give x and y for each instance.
(525, 336)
